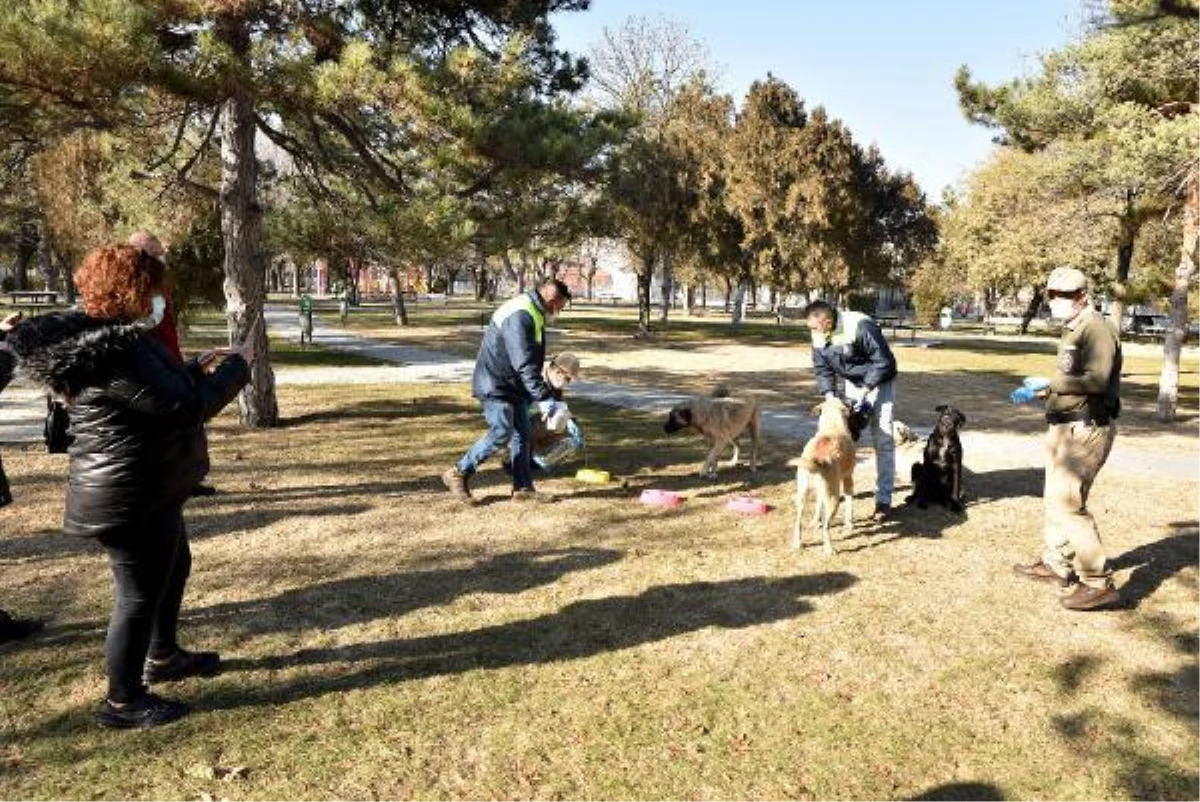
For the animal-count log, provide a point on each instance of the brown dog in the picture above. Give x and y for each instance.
(827, 467)
(721, 419)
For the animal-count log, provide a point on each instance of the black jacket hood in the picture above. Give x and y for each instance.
(67, 351)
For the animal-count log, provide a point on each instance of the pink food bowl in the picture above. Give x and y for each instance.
(661, 498)
(747, 505)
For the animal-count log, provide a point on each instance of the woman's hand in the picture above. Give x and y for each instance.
(10, 321)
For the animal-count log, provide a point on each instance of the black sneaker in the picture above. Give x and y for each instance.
(882, 511)
(142, 713)
(181, 665)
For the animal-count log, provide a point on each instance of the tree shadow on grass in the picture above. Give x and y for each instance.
(1155, 563)
(579, 630)
(1003, 484)
(242, 521)
(1144, 767)
(353, 600)
(45, 545)
(381, 410)
(961, 790)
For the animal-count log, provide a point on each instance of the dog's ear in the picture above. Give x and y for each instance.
(960, 418)
(940, 408)
(816, 410)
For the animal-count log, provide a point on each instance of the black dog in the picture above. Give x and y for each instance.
(938, 477)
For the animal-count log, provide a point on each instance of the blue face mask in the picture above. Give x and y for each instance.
(158, 308)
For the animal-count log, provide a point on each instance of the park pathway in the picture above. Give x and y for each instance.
(22, 409)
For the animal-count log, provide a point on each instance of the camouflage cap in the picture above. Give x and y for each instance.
(1067, 279)
(568, 363)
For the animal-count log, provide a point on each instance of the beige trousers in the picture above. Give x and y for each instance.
(1075, 452)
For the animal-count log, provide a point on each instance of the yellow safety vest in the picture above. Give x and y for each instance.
(521, 303)
(846, 331)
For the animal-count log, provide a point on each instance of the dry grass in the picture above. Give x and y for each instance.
(383, 641)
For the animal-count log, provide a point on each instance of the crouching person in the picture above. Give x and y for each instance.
(554, 440)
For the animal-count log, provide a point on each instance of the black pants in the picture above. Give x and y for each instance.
(150, 566)
(5, 492)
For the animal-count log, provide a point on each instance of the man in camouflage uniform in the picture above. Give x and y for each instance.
(1082, 404)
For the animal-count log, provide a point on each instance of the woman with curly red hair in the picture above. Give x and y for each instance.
(137, 414)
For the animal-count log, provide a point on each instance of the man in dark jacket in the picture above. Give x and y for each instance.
(10, 628)
(508, 379)
(849, 346)
(7, 363)
(166, 324)
(1082, 405)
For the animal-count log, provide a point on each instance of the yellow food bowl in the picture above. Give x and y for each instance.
(592, 476)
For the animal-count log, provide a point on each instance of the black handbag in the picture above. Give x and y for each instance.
(56, 430)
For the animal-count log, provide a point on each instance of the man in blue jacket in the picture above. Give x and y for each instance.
(508, 379)
(850, 346)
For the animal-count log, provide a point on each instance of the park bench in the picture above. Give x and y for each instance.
(898, 325)
(611, 297)
(1010, 323)
(32, 299)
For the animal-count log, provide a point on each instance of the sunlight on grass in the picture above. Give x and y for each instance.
(383, 641)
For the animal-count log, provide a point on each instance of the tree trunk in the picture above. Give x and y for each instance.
(739, 305)
(728, 294)
(451, 277)
(644, 279)
(1035, 303)
(46, 264)
(689, 295)
(241, 230)
(398, 307)
(27, 248)
(1168, 380)
(1129, 226)
(704, 294)
(668, 288)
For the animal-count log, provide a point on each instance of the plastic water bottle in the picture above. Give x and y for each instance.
(558, 421)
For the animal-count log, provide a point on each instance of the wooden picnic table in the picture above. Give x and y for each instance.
(32, 300)
(897, 324)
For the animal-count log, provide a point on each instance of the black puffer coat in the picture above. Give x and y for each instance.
(137, 415)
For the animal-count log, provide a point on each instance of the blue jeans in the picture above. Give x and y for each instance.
(508, 422)
(882, 436)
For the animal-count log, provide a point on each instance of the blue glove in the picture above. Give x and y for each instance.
(1029, 390)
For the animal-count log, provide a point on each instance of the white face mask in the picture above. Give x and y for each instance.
(1062, 308)
(158, 308)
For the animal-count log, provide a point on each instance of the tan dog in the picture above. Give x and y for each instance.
(827, 466)
(721, 419)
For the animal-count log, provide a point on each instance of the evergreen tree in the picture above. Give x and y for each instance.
(347, 88)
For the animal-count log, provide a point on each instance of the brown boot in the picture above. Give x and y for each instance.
(456, 482)
(1040, 572)
(1086, 597)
